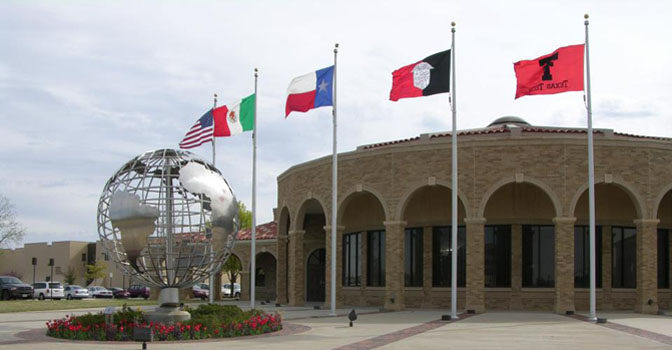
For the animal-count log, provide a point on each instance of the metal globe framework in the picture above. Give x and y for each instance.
(168, 218)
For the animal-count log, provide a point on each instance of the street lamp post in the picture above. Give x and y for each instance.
(51, 279)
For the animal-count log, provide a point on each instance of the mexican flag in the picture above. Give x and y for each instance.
(234, 117)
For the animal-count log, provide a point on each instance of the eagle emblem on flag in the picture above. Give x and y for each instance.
(232, 117)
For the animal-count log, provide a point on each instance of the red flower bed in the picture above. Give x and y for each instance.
(213, 321)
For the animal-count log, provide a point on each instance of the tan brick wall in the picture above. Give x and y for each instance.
(647, 274)
(475, 291)
(394, 270)
(564, 264)
(632, 175)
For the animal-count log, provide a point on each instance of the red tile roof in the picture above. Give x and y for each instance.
(268, 230)
(504, 128)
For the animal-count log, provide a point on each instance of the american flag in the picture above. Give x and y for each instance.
(200, 133)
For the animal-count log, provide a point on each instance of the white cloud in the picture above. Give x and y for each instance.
(86, 86)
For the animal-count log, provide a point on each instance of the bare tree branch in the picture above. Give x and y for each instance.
(10, 230)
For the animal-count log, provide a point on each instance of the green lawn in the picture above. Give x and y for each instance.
(44, 305)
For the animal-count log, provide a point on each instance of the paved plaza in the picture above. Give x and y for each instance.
(308, 328)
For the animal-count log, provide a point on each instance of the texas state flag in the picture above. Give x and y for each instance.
(310, 91)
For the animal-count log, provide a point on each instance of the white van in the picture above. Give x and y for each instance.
(48, 290)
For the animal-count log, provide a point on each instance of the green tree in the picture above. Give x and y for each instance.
(232, 268)
(70, 275)
(244, 216)
(94, 272)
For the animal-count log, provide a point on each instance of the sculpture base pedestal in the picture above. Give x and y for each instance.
(167, 315)
(169, 312)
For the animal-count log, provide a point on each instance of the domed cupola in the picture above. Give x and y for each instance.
(509, 120)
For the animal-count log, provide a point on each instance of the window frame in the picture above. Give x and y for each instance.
(414, 236)
(346, 278)
(496, 231)
(534, 280)
(585, 242)
(380, 273)
(441, 278)
(618, 281)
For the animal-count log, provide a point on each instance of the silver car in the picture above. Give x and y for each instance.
(100, 292)
(76, 292)
(226, 290)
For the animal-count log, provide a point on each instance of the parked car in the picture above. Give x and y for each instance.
(226, 290)
(48, 290)
(12, 287)
(119, 293)
(138, 290)
(100, 292)
(201, 290)
(76, 292)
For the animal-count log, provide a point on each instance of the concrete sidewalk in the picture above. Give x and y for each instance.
(409, 329)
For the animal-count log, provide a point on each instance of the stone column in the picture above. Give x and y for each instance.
(394, 264)
(647, 266)
(281, 271)
(339, 266)
(516, 302)
(475, 264)
(297, 285)
(245, 284)
(564, 264)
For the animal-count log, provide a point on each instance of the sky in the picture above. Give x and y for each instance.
(86, 86)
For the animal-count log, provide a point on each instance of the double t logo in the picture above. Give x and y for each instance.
(547, 63)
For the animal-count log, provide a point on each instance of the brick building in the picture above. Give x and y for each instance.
(523, 216)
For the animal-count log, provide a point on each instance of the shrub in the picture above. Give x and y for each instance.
(207, 321)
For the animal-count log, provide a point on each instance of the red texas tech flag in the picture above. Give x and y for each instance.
(557, 72)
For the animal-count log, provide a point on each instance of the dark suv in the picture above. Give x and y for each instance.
(138, 290)
(12, 287)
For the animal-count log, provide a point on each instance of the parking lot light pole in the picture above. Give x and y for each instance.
(51, 279)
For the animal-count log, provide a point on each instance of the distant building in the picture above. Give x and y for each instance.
(523, 216)
(76, 255)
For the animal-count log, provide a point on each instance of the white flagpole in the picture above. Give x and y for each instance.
(453, 282)
(334, 188)
(211, 291)
(253, 253)
(591, 180)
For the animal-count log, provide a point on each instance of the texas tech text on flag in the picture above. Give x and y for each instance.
(200, 133)
(559, 71)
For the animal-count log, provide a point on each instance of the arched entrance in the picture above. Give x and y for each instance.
(315, 275)
(519, 255)
(427, 247)
(615, 248)
(265, 276)
(363, 249)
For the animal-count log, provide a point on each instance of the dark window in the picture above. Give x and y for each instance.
(260, 278)
(442, 257)
(663, 258)
(582, 257)
(352, 267)
(498, 256)
(623, 257)
(538, 256)
(84, 257)
(413, 257)
(375, 259)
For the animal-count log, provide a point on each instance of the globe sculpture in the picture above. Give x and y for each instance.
(168, 219)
